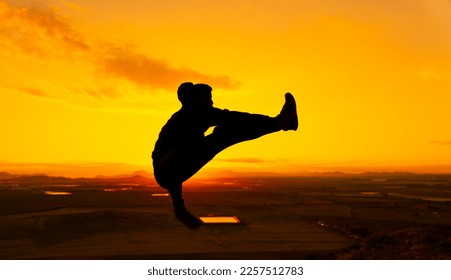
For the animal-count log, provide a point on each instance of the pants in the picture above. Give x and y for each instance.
(179, 165)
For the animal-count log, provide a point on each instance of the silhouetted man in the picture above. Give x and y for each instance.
(182, 149)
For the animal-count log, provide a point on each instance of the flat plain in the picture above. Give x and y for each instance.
(316, 216)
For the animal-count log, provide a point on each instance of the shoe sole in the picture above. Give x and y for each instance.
(291, 102)
(189, 220)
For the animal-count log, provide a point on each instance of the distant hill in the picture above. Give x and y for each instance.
(140, 177)
(7, 176)
(140, 173)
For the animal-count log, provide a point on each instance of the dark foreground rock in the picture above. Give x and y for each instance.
(431, 242)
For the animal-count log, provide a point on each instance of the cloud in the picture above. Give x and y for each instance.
(146, 71)
(39, 31)
(34, 92)
(42, 33)
(440, 143)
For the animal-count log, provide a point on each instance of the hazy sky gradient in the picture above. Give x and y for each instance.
(93, 81)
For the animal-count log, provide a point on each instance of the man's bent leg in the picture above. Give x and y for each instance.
(180, 211)
(175, 192)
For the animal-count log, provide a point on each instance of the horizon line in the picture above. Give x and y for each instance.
(227, 174)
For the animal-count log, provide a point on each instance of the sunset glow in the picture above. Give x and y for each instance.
(87, 85)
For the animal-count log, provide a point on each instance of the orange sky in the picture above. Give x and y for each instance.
(86, 85)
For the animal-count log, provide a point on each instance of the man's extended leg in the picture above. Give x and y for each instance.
(235, 127)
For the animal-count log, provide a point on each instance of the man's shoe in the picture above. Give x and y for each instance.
(288, 117)
(184, 216)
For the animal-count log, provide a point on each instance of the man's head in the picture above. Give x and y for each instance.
(195, 95)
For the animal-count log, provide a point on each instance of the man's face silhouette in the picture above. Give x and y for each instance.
(204, 100)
